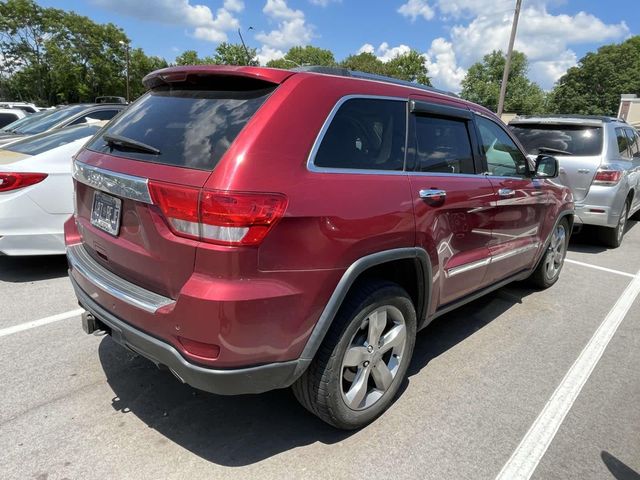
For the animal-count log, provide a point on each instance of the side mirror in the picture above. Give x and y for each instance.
(547, 166)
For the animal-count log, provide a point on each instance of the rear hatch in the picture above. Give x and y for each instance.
(156, 157)
(578, 148)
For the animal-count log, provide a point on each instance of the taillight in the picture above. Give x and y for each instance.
(220, 217)
(607, 177)
(16, 180)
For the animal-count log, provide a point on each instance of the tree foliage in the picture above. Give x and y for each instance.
(409, 66)
(593, 87)
(51, 56)
(483, 80)
(225, 54)
(302, 56)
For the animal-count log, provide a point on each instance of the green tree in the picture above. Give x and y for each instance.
(189, 57)
(483, 80)
(408, 66)
(301, 56)
(235, 54)
(593, 87)
(140, 66)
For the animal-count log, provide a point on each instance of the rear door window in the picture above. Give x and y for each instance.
(365, 134)
(623, 143)
(96, 115)
(443, 145)
(190, 128)
(579, 140)
(7, 118)
(634, 142)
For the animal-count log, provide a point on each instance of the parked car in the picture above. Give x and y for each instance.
(36, 190)
(599, 160)
(60, 118)
(24, 106)
(10, 115)
(253, 228)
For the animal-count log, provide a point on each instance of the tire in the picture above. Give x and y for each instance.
(328, 388)
(548, 270)
(612, 237)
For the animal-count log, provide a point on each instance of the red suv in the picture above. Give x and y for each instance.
(252, 228)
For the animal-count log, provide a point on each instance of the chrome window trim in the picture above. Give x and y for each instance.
(311, 166)
(117, 287)
(114, 183)
(466, 267)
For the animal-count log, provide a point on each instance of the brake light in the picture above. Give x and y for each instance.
(16, 180)
(220, 217)
(607, 177)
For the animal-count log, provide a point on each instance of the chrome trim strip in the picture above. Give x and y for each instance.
(468, 267)
(486, 261)
(115, 286)
(515, 251)
(114, 183)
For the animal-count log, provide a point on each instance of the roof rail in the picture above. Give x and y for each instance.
(603, 118)
(344, 72)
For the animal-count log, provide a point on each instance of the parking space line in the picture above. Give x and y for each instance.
(38, 323)
(597, 267)
(533, 446)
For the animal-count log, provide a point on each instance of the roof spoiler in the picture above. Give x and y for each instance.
(192, 73)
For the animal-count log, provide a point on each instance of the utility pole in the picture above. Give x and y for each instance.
(126, 46)
(246, 51)
(507, 65)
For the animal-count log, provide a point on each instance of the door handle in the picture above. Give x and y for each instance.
(506, 192)
(433, 193)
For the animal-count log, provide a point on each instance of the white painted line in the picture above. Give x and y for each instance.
(596, 267)
(533, 446)
(38, 323)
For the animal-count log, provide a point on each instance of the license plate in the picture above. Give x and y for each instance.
(105, 213)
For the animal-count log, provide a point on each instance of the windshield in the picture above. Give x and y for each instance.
(573, 139)
(23, 122)
(42, 124)
(50, 140)
(185, 128)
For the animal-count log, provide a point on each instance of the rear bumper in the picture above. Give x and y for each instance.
(601, 216)
(256, 379)
(602, 206)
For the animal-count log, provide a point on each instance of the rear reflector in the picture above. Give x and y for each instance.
(199, 349)
(16, 180)
(220, 217)
(607, 177)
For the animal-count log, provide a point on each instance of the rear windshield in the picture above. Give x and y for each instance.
(48, 141)
(570, 139)
(190, 128)
(46, 122)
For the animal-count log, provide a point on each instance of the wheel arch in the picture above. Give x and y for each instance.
(409, 267)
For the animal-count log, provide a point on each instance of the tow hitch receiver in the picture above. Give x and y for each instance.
(89, 323)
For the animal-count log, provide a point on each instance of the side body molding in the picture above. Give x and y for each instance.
(347, 280)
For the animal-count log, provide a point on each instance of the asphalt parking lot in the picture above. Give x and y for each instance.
(79, 407)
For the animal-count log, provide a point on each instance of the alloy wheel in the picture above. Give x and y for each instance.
(373, 357)
(556, 252)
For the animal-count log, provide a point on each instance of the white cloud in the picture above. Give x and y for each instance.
(206, 25)
(443, 66)
(323, 3)
(545, 38)
(292, 30)
(384, 52)
(416, 8)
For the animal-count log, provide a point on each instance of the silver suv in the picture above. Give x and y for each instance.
(599, 160)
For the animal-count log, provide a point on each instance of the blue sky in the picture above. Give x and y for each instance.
(452, 34)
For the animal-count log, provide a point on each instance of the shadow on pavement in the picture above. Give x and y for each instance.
(31, 269)
(588, 241)
(450, 329)
(242, 430)
(619, 470)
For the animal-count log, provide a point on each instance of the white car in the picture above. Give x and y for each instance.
(36, 190)
(10, 115)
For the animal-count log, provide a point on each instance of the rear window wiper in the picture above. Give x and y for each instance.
(553, 150)
(118, 142)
